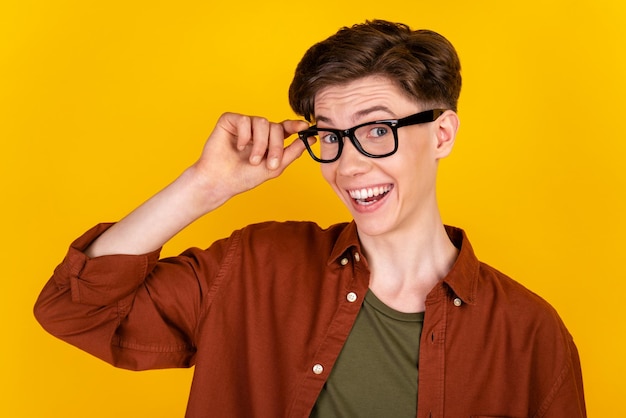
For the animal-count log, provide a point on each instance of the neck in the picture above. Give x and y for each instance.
(405, 265)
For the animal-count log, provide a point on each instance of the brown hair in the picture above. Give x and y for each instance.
(423, 63)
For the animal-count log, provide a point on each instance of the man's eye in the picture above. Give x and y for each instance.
(378, 131)
(329, 138)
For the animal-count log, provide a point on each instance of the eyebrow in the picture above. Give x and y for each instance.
(358, 115)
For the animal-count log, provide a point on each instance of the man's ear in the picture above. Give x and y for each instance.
(446, 128)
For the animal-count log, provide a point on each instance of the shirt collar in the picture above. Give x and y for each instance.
(462, 278)
(347, 239)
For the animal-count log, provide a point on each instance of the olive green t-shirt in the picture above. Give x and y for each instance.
(376, 372)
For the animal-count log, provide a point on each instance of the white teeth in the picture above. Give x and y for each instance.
(361, 194)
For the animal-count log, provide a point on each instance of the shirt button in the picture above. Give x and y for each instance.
(457, 302)
(318, 369)
(357, 257)
(351, 297)
(344, 261)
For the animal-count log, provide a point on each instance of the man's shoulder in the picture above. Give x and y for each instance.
(509, 297)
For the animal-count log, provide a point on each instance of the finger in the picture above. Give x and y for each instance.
(243, 131)
(276, 146)
(238, 127)
(292, 126)
(260, 139)
(292, 152)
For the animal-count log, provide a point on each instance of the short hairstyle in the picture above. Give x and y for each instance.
(423, 63)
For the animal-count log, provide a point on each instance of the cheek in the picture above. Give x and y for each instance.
(419, 155)
(328, 172)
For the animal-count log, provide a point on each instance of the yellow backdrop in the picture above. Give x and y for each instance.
(102, 103)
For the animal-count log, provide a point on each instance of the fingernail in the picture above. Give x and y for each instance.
(255, 159)
(273, 163)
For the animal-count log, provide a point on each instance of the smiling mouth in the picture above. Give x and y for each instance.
(370, 195)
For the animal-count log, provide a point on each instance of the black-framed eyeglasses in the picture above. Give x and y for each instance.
(377, 139)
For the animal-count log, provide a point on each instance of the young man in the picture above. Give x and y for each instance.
(390, 315)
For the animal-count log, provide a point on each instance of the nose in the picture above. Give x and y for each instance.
(352, 162)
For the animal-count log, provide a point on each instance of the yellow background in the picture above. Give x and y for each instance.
(103, 103)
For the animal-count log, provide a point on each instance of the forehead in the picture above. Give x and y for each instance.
(355, 97)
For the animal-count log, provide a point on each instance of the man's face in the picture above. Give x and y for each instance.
(384, 195)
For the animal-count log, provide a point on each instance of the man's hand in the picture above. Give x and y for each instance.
(244, 151)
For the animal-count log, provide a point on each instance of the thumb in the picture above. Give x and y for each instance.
(291, 126)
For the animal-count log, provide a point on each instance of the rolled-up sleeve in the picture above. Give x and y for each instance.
(133, 311)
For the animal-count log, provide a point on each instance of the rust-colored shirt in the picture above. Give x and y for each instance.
(264, 314)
